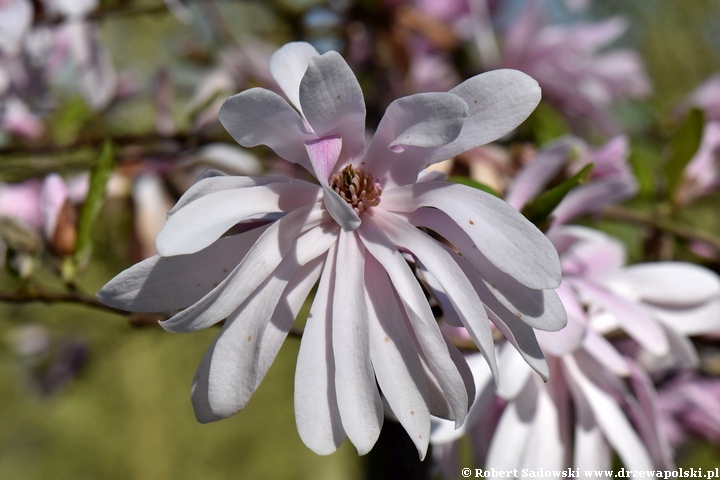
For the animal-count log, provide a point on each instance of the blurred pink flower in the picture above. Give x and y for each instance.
(249, 250)
(578, 79)
(690, 406)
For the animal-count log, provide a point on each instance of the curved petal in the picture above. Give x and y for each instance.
(201, 222)
(425, 328)
(671, 284)
(233, 370)
(333, 103)
(324, 153)
(420, 120)
(395, 359)
(501, 233)
(288, 65)
(499, 101)
(361, 409)
(316, 408)
(444, 268)
(541, 309)
(691, 321)
(262, 259)
(261, 117)
(590, 198)
(164, 284)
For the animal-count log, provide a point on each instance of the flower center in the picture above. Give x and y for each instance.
(357, 188)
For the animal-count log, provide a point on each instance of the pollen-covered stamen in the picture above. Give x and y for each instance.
(357, 188)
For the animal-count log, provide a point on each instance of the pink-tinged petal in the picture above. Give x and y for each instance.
(151, 201)
(451, 277)
(201, 222)
(53, 198)
(609, 417)
(589, 254)
(682, 355)
(501, 233)
(424, 326)
(605, 353)
(233, 369)
(698, 320)
(515, 427)
(499, 101)
(632, 318)
(333, 103)
(317, 414)
(284, 315)
(324, 153)
(592, 197)
(361, 409)
(421, 120)
(165, 284)
(288, 66)
(670, 284)
(261, 117)
(540, 309)
(23, 202)
(533, 178)
(395, 359)
(262, 259)
(647, 417)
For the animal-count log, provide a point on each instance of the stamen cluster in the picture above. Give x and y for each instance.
(357, 188)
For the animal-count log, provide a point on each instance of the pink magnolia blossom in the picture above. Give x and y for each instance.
(582, 82)
(611, 179)
(249, 250)
(614, 402)
(690, 406)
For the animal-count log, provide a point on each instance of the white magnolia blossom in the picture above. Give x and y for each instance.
(248, 250)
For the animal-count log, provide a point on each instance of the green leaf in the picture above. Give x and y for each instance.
(684, 145)
(90, 210)
(539, 210)
(547, 124)
(644, 161)
(474, 184)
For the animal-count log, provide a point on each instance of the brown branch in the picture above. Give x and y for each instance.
(55, 297)
(681, 231)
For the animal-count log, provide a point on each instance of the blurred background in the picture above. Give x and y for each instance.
(109, 111)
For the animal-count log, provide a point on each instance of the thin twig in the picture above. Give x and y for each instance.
(55, 297)
(682, 231)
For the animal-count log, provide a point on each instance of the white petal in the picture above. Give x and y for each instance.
(546, 447)
(233, 369)
(284, 315)
(605, 353)
(316, 408)
(164, 284)
(509, 442)
(691, 321)
(199, 223)
(499, 101)
(501, 233)
(420, 316)
(267, 253)
(444, 268)
(358, 398)
(333, 103)
(199, 389)
(421, 120)
(288, 66)
(395, 359)
(261, 117)
(14, 22)
(672, 284)
(514, 370)
(540, 309)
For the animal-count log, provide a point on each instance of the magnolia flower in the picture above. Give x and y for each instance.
(249, 250)
(604, 397)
